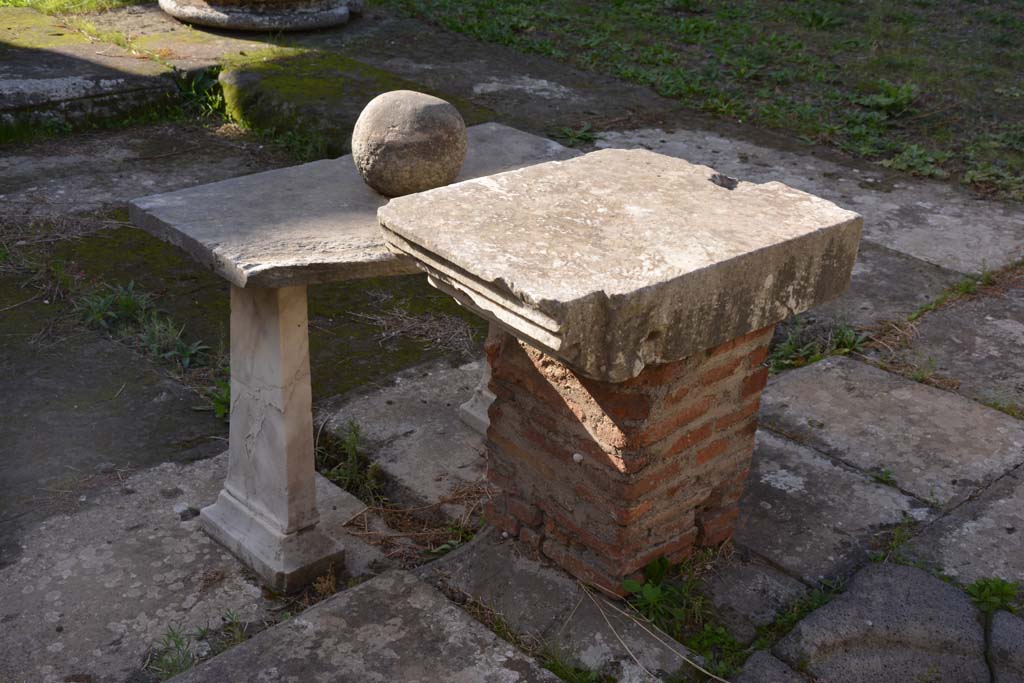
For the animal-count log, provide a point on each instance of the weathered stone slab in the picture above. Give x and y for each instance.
(1006, 649)
(95, 590)
(936, 445)
(894, 623)
(178, 44)
(936, 222)
(75, 412)
(105, 169)
(981, 539)
(310, 223)
(412, 429)
(295, 15)
(747, 595)
(658, 252)
(977, 343)
(391, 628)
(812, 517)
(885, 285)
(540, 600)
(51, 75)
(764, 668)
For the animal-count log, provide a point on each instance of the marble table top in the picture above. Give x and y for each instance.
(312, 223)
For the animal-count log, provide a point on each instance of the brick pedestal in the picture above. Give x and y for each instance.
(605, 477)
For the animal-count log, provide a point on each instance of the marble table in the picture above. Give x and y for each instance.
(271, 235)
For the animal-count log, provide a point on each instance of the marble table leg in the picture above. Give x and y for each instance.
(266, 513)
(474, 411)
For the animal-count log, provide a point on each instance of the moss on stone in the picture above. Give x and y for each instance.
(345, 350)
(314, 92)
(25, 27)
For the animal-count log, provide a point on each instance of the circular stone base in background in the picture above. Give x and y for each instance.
(280, 15)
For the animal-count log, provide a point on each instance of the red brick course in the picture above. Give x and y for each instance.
(605, 477)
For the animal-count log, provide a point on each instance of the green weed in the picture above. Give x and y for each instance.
(560, 666)
(917, 160)
(898, 537)
(990, 595)
(670, 595)
(201, 93)
(233, 628)
(114, 308)
(219, 396)
(576, 136)
(796, 612)
(794, 352)
(1009, 407)
(884, 476)
(923, 371)
(456, 534)
(844, 340)
(172, 654)
(342, 462)
(876, 80)
(723, 655)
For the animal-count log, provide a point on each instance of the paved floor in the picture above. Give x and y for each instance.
(854, 464)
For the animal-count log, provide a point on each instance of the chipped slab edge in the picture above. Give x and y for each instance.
(142, 213)
(563, 338)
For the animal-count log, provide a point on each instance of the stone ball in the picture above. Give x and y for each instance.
(405, 141)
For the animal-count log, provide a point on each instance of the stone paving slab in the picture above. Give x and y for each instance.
(189, 48)
(978, 343)
(627, 241)
(885, 285)
(984, 538)
(893, 623)
(936, 445)
(313, 223)
(412, 429)
(77, 412)
(750, 594)
(1006, 648)
(103, 170)
(394, 627)
(93, 591)
(936, 222)
(538, 599)
(50, 73)
(811, 517)
(762, 667)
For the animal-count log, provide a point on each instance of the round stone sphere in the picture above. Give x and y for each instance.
(406, 141)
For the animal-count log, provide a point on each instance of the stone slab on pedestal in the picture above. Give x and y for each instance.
(310, 223)
(394, 627)
(668, 258)
(637, 294)
(606, 477)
